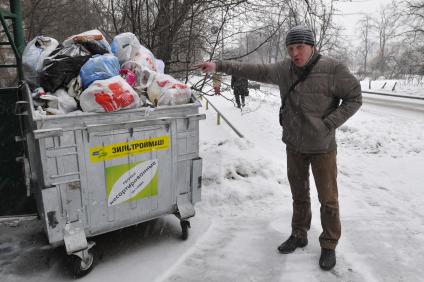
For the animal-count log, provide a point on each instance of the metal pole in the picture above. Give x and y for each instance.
(18, 33)
(225, 119)
(394, 86)
(393, 95)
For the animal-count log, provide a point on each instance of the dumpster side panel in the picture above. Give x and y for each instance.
(196, 180)
(104, 213)
(52, 214)
(60, 158)
(183, 179)
(188, 149)
(60, 198)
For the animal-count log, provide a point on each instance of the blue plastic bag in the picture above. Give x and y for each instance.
(99, 67)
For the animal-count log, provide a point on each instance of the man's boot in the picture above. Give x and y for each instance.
(328, 259)
(292, 244)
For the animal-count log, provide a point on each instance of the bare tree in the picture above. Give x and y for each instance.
(257, 30)
(387, 27)
(180, 31)
(415, 12)
(365, 28)
(167, 27)
(58, 19)
(320, 16)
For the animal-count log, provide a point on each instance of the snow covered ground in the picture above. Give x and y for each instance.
(246, 209)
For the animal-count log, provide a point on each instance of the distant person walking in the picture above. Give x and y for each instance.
(240, 87)
(216, 83)
(318, 94)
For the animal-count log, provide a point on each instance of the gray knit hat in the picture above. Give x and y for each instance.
(300, 34)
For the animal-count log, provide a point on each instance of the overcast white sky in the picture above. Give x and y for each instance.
(351, 11)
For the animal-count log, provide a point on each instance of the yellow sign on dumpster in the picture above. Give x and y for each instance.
(118, 150)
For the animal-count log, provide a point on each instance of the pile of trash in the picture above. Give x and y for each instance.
(85, 73)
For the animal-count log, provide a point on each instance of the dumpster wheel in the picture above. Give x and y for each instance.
(185, 225)
(81, 267)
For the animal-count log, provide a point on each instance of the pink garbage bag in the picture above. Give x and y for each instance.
(129, 76)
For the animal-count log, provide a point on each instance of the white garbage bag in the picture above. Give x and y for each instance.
(160, 66)
(126, 47)
(167, 91)
(75, 87)
(109, 95)
(59, 102)
(33, 56)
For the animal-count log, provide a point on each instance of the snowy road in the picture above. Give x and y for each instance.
(408, 105)
(246, 209)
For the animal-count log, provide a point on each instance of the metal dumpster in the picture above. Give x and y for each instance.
(93, 173)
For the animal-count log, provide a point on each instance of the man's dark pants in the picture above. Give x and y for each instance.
(324, 169)
(238, 96)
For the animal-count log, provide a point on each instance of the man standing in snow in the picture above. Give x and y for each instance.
(240, 87)
(318, 95)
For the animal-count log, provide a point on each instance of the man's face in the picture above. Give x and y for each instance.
(300, 53)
